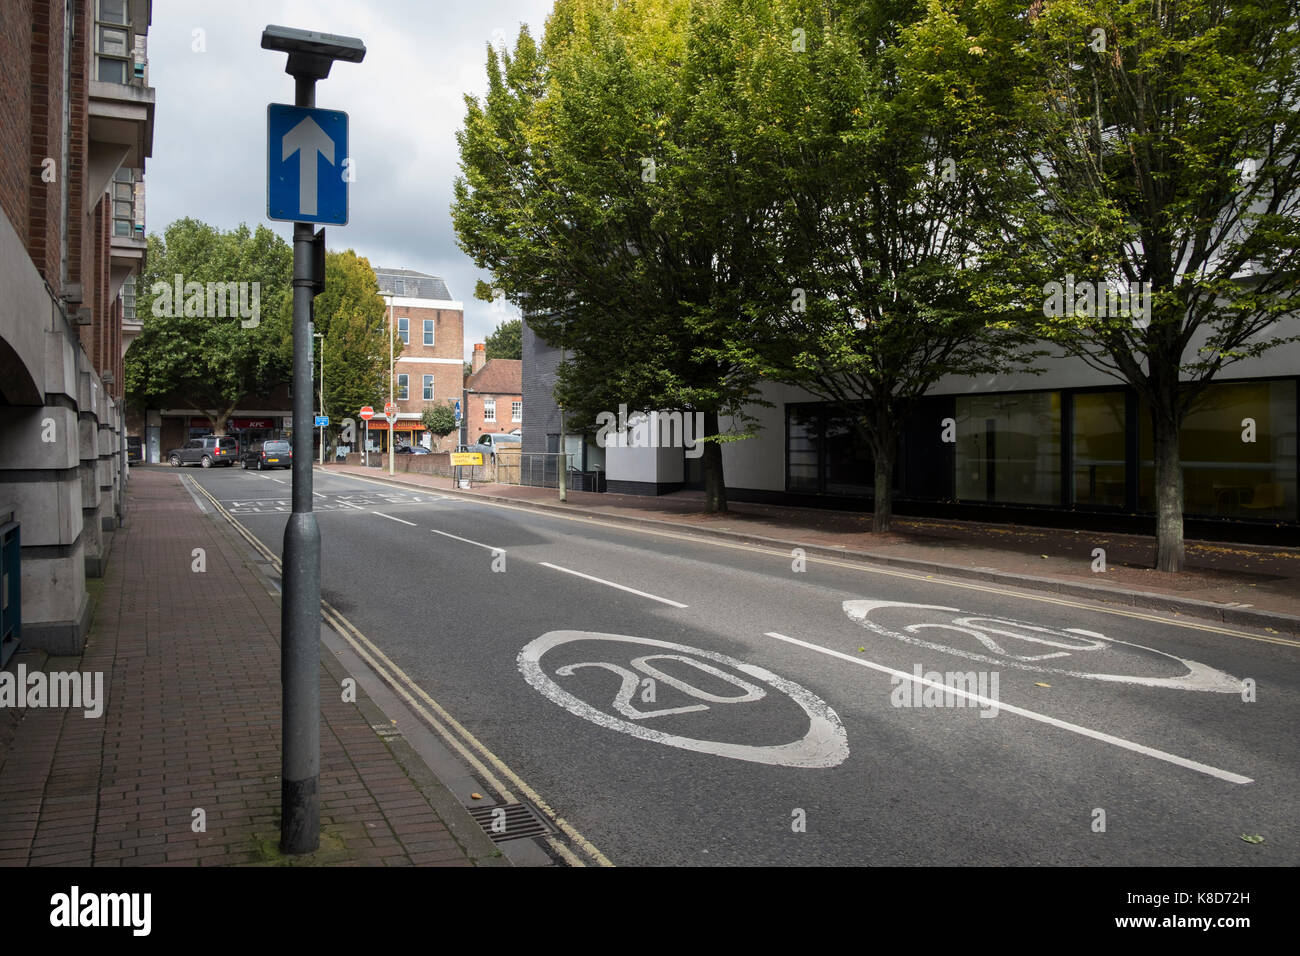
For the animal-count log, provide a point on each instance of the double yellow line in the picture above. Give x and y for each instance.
(493, 771)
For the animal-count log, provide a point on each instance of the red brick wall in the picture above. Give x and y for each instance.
(478, 425)
(31, 127)
(448, 343)
(15, 111)
(81, 245)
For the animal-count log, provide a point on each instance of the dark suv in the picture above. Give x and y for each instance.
(207, 451)
(272, 453)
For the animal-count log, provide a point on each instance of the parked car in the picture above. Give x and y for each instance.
(207, 451)
(411, 450)
(489, 443)
(134, 448)
(271, 453)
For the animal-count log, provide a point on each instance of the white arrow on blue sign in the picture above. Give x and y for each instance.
(322, 421)
(305, 175)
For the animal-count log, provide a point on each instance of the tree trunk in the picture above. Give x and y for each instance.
(1169, 491)
(715, 486)
(885, 452)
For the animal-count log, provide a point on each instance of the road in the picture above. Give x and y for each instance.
(685, 702)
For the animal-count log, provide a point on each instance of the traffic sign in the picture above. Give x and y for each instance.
(458, 411)
(367, 413)
(390, 412)
(306, 149)
(322, 421)
(467, 458)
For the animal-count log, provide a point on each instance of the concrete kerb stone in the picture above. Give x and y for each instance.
(1143, 600)
(476, 844)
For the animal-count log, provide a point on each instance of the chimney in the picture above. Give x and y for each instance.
(480, 358)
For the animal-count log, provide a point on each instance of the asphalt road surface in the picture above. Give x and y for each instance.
(686, 702)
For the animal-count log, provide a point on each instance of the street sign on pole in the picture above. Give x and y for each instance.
(390, 412)
(322, 421)
(303, 141)
(306, 180)
(367, 413)
(457, 408)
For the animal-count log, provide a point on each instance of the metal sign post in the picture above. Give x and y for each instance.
(298, 138)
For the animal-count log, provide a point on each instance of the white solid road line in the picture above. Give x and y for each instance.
(391, 518)
(1227, 775)
(477, 544)
(621, 587)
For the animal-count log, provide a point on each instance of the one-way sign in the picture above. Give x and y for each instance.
(305, 174)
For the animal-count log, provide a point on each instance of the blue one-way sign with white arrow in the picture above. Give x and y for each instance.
(306, 164)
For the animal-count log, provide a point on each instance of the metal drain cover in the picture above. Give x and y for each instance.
(510, 821)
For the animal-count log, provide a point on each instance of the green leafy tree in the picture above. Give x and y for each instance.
(506, 341)
(574, 199)
(1162, 141)
(353, 319)
(877, 204)
(218, 340)
(439, 419)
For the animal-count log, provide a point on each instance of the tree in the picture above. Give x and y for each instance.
(877, 204)
(439, 419)
(573, 199)
(353, 319)
(1162, 139)
(506, 341)
(211, 305)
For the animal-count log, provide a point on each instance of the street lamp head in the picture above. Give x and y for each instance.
(311, 54)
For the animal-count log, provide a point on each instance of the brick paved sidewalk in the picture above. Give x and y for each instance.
(191, 666)
(1256, 577)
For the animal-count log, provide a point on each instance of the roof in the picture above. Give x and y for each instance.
(498, 377)
(416, 285)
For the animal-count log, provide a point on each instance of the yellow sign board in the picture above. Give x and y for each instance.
(467, 458)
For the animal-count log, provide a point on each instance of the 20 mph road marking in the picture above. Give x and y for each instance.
(611, 584)
(1041, 718)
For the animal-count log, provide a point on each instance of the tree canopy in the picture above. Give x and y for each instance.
(194, 346)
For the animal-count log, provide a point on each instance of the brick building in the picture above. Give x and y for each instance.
(431, 368)
(494, 396)
(76, 125)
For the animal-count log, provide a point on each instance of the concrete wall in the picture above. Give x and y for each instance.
(60, 472)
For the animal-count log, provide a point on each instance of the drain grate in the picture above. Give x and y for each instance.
(510, 821)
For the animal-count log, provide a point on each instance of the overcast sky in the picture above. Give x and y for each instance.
(404, 104)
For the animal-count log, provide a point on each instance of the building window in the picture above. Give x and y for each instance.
(1231, 467)
(112, 42)
(402, 387)
(399, 287)
(126, 199)
(128, 298)
(428, 388)
(489, 409)
(428, 331)
(825, 452)
(516, 411)
(404, 330)
(1009, 448)
(1098, 449)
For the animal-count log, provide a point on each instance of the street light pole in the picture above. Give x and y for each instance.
(310, 57)
(318, 335)
(392, 469)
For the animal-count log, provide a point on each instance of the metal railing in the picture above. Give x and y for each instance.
(538, 469)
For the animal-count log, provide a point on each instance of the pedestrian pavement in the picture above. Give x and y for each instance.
(1238, 584)
(182, 766)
